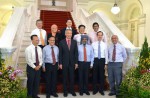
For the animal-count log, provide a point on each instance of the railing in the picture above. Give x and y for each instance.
(81, 16)
(12, 37)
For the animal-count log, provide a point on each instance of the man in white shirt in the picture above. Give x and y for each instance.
(100, 59)
(33, 54)
(93, 35)
(77, 37)
(41, 33)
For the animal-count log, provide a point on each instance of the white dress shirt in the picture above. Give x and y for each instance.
(77, 37)
(68, 28)
(93, 36)
(31, 57)
(37, 32)
(104, 51)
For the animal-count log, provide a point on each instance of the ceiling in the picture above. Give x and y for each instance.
(86, 1)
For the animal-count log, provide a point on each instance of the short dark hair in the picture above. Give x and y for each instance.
(38, 20)
(81, 26)
(95, 23)
(50, 37)
(99, 32)
(68, 20)
(33, 36)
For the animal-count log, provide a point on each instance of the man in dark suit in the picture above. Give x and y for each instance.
(68, 60)
(69, 24)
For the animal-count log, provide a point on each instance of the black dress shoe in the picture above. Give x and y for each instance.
(102, 93)
(73, 94)
(111, 94)
(54, 94)
(65, 94)
(87, 93)
(95, 92)
(35, 97)
(81, 93)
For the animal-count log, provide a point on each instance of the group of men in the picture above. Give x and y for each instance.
(69, 50)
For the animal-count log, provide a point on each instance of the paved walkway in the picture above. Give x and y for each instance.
(98, 95)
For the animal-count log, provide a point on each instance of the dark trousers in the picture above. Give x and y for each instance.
(68, 71)
(33, 80)
(83, 76)
(51, 78)
(98, 73)
(115, 75)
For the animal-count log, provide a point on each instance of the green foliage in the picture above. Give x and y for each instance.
(136, 83)
(144, 60)
(145, 50)
(9, 82)
(21, 93)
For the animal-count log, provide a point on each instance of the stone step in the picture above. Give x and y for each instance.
(21, 59)
(26, 43)
(27, 34)
(22, 66)
(26, 38)
(22, 54)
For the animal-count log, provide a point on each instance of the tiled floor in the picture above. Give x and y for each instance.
(98, 95)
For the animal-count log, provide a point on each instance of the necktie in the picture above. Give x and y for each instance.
(85, 56)
(69, 44)
(114, 53)
(36, 55)
(99, 50)
(53, 56)
(41, 38)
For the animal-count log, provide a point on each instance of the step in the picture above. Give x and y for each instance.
(22, 59)
(26, 43)
(27, 34)
(22, 54)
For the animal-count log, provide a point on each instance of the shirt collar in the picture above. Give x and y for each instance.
(33, 46)
(52, 46)
(68, 28)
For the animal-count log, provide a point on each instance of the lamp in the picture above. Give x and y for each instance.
(115, 9)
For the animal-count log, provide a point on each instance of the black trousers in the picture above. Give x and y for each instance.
(68, 76)
(98, 74)
(83, 76)
(51, 78)
(33, 80)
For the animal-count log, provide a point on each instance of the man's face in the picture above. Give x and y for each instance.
(69, 23)
(68, 34)
(82, 30)
(54, 28)
(96, 27)
(114, 39)
(84, 40)
(39, 24)
(100, 36)
(35, 40)
(51, 41)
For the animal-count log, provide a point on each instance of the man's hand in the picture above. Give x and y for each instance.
(60, 66)
(106, 66)
(76, 66)
(36, 68)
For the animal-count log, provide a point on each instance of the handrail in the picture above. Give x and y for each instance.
(15, 30)
(11, 29)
